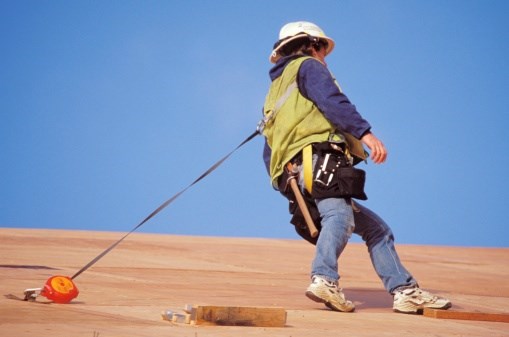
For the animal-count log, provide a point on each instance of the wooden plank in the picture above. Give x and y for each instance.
(467, 315)
(240, 316)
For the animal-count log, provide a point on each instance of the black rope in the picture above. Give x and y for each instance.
(164, 205)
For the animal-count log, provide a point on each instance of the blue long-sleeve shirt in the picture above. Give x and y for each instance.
(316, 83)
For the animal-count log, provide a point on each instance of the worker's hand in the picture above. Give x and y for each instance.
(377, 148)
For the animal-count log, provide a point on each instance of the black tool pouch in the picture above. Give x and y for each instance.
(335, 177)
(299, 221)
(293, 207)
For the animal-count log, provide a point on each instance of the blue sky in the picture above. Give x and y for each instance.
(108, 108)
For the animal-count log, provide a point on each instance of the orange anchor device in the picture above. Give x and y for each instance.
(59, 289)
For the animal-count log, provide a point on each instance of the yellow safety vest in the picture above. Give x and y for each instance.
(293, 121)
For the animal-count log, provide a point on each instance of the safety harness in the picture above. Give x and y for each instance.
(304, 125)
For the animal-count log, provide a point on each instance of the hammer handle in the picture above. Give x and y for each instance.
(303, 208)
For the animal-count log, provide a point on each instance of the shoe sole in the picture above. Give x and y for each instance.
(329, 305)
(420, 311)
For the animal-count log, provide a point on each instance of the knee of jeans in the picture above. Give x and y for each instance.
(377, 235)
(336, 221)
(349, 228)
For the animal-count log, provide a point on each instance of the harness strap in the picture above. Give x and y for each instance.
(279, 103)
(307, 166)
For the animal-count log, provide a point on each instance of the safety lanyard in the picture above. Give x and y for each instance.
(165, 204)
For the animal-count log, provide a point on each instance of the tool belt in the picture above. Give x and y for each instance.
(334, 176)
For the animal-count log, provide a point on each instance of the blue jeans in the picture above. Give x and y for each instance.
(339, 221)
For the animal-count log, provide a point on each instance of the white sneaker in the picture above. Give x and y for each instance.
(323, 291)
(414, 300)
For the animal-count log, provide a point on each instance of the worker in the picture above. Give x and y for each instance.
(314, 134)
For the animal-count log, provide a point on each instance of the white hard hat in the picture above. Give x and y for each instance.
(295, 30)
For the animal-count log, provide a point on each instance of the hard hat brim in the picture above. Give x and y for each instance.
(274, 56)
